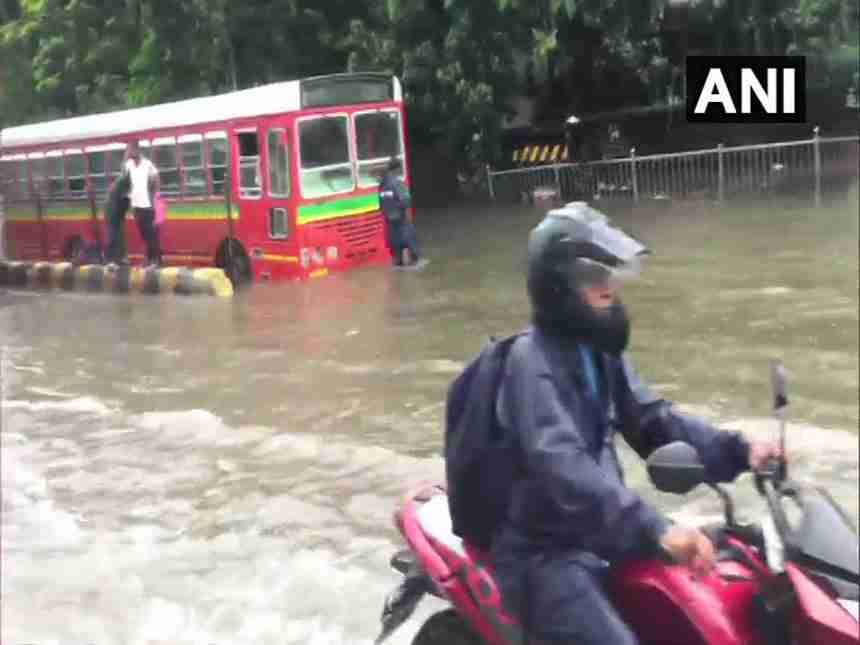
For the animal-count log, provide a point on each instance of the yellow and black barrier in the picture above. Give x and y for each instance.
(122, 279)
(540, 154)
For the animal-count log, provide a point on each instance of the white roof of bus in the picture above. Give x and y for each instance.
(274, 98)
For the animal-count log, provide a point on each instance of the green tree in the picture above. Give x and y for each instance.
(461, 61)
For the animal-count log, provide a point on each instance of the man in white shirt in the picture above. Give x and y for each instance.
(144, 186)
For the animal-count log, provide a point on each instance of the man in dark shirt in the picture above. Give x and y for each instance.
(394, 199)
(115, 209)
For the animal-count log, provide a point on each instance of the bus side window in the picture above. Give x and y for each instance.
(279, 163)
(23, 179)
(216, 149)
(76, 174)
(56, 175)
(114, 160)
(8, 180)
(249, 165)
(164, 158)
(194, 183)
(98, 174)
(39, 173)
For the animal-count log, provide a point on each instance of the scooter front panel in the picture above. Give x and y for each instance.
(668, 605)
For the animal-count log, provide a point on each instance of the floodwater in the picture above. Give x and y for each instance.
(208, 472)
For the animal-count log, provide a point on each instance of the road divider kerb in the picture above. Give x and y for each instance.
(124, 279)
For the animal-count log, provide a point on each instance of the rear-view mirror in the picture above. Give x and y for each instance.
(676, 468)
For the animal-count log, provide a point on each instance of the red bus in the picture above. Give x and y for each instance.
(273, 182)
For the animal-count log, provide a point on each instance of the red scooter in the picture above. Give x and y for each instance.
(793, 580)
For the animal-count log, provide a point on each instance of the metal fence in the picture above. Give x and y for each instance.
(809, 165)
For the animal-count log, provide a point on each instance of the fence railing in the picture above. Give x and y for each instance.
(806, 165)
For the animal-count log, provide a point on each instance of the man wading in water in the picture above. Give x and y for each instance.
(394, 199)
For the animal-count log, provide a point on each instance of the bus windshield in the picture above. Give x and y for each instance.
(378, 139)
(326, 168)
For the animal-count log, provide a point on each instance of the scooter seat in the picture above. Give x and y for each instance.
(471, 585)
(435, 520)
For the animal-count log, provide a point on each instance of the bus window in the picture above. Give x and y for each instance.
(38, 174)
(279, 164)
(377, 136)
(249, 165)
(114, 160)
(98, 176)
(24, 178)
(76, 173)
(20, 177)
(216, 149)
(164, 158)
(326, 168)
(105, 165)
(194, 183)
(56, 174)
(8, 179)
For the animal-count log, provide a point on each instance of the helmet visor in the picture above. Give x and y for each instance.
(615, 242)
(592, 273)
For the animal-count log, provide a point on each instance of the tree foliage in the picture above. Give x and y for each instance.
(461, 61)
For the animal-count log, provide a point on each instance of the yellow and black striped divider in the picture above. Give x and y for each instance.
(541, 154)
(123, 279)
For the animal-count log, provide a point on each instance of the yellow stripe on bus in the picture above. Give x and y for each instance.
(516, 155)
(564, 154)
(544, 153)
(535, 153)
(555, 149)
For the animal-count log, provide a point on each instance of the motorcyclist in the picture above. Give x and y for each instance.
(567, 388)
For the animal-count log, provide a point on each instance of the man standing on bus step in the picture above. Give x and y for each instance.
(144, 186)
(394, 199)
(115, 209)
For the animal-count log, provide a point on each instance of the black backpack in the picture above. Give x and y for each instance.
(480, 464)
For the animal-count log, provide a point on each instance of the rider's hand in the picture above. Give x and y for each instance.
(763, 451)
(689, 546)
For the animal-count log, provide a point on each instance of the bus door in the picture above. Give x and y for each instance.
(280, 216)
(248, 191)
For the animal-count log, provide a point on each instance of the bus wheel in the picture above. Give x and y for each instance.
(234, 260)
(74, 250)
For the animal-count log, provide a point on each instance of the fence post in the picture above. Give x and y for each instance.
(490, 182)
(816, 147)
(633, 175)
(557, 182)
(721, 179)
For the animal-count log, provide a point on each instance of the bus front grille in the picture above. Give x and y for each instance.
(357, 232)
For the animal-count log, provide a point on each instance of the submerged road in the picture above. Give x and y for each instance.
(223, 472)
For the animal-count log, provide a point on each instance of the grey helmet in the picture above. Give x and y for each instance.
(574, 247)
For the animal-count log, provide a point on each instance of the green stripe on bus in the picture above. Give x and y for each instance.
(19, 215)
(339, 208)
(212, 211)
